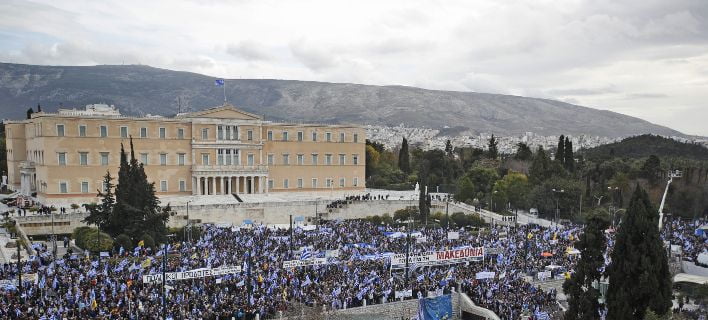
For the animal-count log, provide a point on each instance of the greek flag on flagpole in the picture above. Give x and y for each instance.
(219, 82)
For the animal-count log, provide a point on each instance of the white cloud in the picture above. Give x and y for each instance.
(645, 58)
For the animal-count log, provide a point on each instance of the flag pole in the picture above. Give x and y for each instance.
(224, 86)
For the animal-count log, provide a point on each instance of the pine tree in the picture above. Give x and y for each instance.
(568, 156)
(29, 113)
(404, 158)
(100, 215)
(582, 297)
(639, 272)
(493, 148)
(560, 150)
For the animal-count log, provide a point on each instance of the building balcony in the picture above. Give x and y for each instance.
(27, 165)
(230, 169)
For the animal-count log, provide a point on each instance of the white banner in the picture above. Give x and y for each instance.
(304, 263)
(191, 274)
(544, 275)
(453, 235)
(484, 275)
(332, 253)
(421, 239)
(439, 257)
(404, 294)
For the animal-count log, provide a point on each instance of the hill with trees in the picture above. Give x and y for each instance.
(646, 145)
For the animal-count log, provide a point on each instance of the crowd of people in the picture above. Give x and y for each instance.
(358, 271)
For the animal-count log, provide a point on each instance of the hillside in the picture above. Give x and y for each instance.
(646, 145)
(141, 90)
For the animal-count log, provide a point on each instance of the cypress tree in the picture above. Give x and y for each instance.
(493, 149)
(639, 272)
(404, 162)
(29, 113)
(540, 167)
(568, 156)
(582, 297)
(39, 108)
(448, 148)
(560, 150)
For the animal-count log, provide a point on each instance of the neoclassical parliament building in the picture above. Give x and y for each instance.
(63, 156)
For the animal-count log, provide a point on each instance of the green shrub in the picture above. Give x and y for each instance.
(148, 241)
(123, 240)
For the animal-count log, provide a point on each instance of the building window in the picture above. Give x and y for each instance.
(300, 159)
(205, 159)
(103, 130)
(163, 133)
(182, 186)
(270, 159)
(163, 185)
(341, 137)
(63, 187)
(104, 187)
(228, 133)
(299, 183)
(270, 135)
(84, 187)
(60, 130)
(143, 132)
(220, 157)
(314, 183)
(83, 158)
(285, 136)
(342, 159)
(314, 159)
(82, 131)
(250, 159)
(144, 158)
(220, 132)
(328, 159)
(300, 135)
(286, 159)
(314, 136)
(341, 182)
(180, 133)
(249, 134)
(328, 136)
(286, 184)
(62, 158)
(205, 134)
(328, 183)
(180, 159)
(163, 159)
(356, 137)
(270, 184)
(355, 159)
(124, 132)
(104, 158)
(356, 182)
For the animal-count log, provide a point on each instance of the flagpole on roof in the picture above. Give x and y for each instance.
(224, 91)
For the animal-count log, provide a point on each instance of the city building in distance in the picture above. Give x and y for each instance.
(63, 156)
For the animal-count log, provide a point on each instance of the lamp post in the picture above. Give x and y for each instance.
(557, 204)
(164, 269)
(189, 225)
(19, 270)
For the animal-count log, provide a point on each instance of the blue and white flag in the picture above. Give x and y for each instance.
(219, 82)
(306, 253)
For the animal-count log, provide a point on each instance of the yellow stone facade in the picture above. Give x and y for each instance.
(221, 150)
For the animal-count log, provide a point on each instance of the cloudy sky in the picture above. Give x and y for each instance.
(645, 58)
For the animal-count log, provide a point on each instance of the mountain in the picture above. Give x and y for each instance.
(139, 89)
(645, 145)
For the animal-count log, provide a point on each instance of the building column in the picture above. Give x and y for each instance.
(194, 186)
(265, 178)
(260, 184)
(213, 185)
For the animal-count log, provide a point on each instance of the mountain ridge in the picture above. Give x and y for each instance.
(140, 89)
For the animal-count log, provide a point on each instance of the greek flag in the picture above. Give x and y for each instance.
(219, 82)
(542, 315)
(306, 253)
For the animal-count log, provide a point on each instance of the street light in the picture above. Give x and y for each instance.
(557, 204)
(164, 268)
